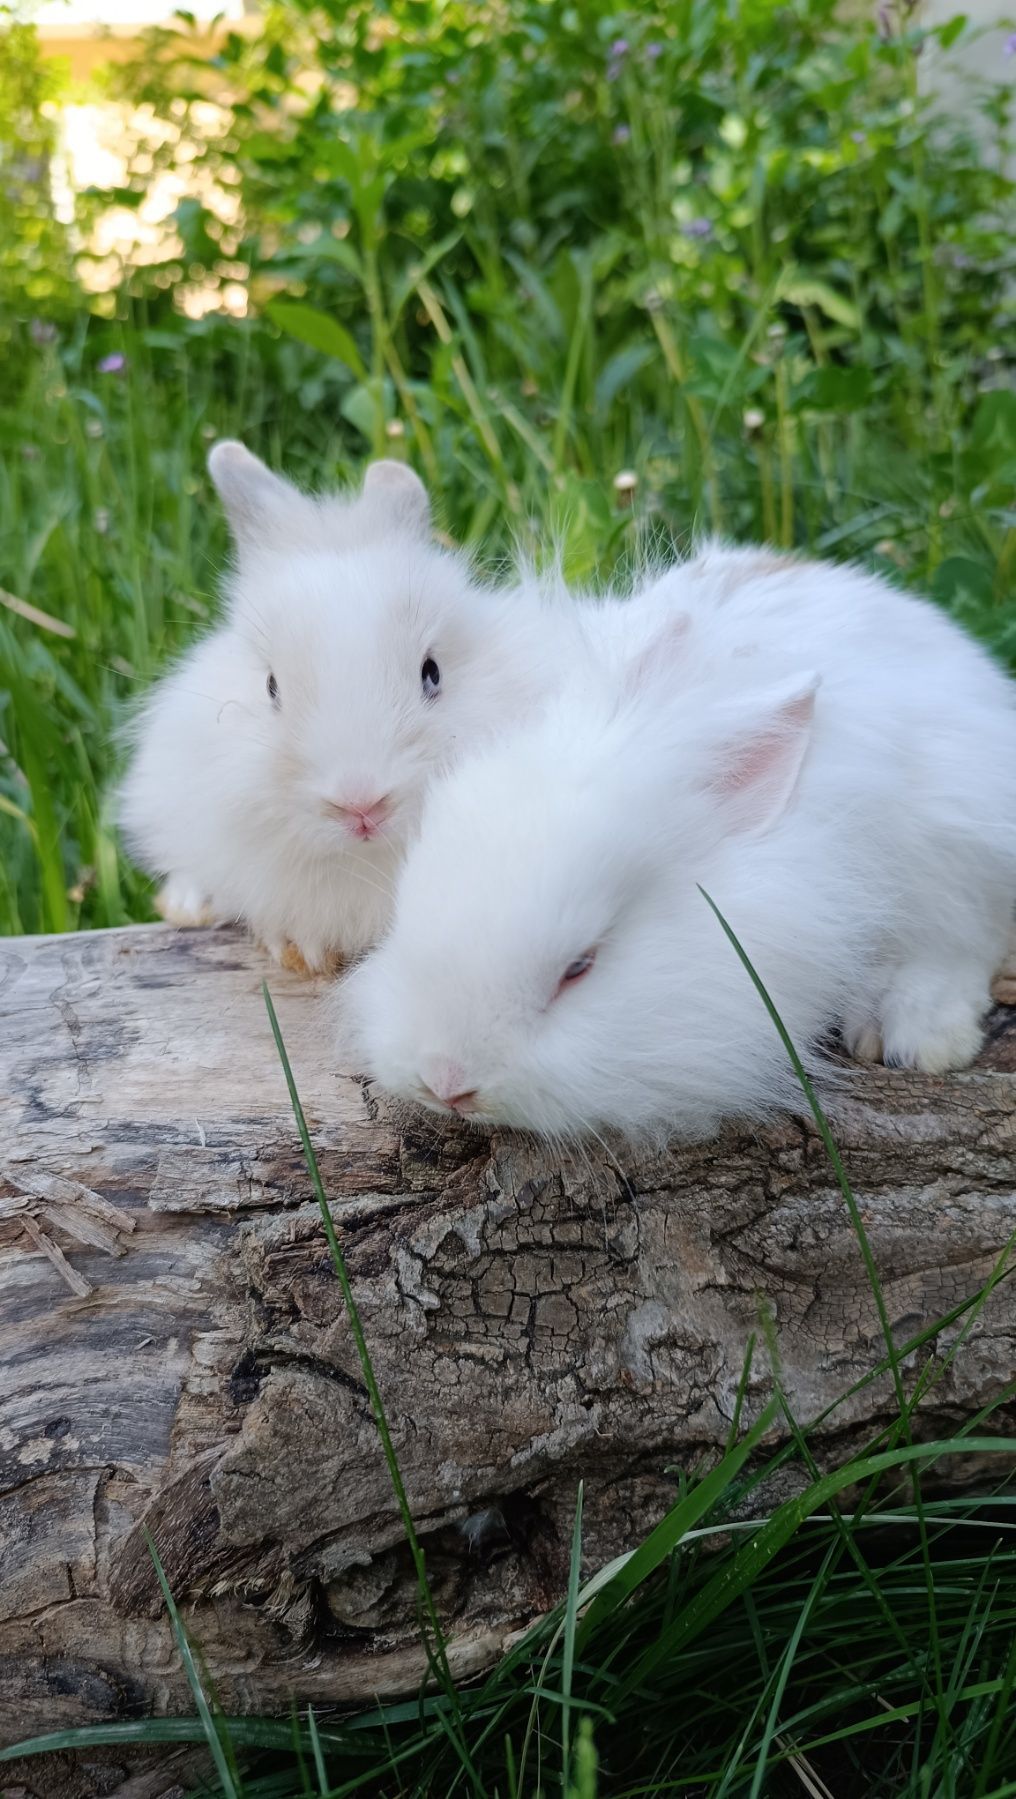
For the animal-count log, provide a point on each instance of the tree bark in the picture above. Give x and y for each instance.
(176, 1355)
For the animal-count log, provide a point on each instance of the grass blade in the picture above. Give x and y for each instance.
(831, 1149)
(317, 1751)
(367, 1366)
(571, 1611)
(214, 1733)
(438, 1651)
(737, 1574)
(679, 1520)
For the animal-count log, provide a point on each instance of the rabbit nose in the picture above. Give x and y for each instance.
(445, 1082)
(363, 818)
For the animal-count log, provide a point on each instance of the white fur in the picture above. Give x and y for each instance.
(341, 598)
(835, 764)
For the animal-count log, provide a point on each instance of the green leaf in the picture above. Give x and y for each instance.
(834, 389)
(419, 271)
(951, 30)
(360, 406)
(960, 578)
(995, 422)
(802, 290)
(318, 331)
(327, 248)
(620, 370)
(266, 146)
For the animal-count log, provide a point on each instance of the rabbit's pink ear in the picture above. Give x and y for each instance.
(394, 486)
(652, 668)
(258, 504)
(755, 773)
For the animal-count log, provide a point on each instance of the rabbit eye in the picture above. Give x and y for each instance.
(575, 970)
(430, 678)
(273, 690)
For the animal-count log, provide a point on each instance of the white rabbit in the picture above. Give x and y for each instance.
(834, 763)
(281, 765)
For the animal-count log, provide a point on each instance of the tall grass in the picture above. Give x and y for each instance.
(112, 546)
(731, 255)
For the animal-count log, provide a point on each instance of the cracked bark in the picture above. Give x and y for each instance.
(533, 1321)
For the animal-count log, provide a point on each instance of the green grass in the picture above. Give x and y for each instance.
(744, 259)
(110, 528)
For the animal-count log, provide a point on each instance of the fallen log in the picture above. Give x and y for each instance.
(175, 1354)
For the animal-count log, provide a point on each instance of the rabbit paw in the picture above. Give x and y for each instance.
(290, 956)
(932, 1021)
(862, 1041)
(182, 903)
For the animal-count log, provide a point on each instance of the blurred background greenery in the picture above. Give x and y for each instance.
(711, 265)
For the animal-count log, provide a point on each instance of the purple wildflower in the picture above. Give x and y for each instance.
(653, 50)
(1009, 47)
(619, 48)
(859, 137)
(621, 134)
(113, 364)
(42, 332)
(697, 228)
(29, 169)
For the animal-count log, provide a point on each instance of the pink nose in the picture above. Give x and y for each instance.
(446, 1082)
(362, 818)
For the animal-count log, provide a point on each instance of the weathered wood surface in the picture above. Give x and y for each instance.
(174, 1351)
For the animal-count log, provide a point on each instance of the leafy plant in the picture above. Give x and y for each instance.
(36, 271)
(608, 279)
(713, 241)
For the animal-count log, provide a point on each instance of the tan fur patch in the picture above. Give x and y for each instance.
(293, 960)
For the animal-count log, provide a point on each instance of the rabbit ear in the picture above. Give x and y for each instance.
(401, 492)
(756, 771)
(650, 671)
(258, 504)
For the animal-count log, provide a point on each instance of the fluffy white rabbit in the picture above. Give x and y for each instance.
(279, 768)
(833, 762)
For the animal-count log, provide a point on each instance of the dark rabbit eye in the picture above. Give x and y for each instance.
(273, 690)
(575, 970)
(430, 678)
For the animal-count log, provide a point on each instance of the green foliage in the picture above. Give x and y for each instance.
(703, 239)
(36, 275)
(730, 251)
